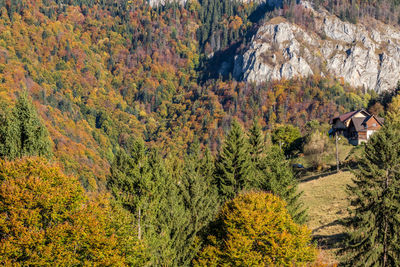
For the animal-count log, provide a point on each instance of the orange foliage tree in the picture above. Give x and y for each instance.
(46, 219)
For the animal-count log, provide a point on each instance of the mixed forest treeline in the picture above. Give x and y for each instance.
(168, 203)
(196, 210)
(100, 72)
(117, 150)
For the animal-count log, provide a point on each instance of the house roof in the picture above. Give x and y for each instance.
(360, 123)
(346, 116)
(380, 120)
(349, 115)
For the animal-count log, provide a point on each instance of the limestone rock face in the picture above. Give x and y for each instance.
(155, 3)
(362, 56)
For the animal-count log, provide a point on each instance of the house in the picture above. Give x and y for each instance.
(357, 126)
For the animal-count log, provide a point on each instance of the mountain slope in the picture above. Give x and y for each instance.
(362, 55)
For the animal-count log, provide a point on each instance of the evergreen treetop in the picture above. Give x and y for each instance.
(277, 177)
(373, 225)
(233, 164)
(21, 131)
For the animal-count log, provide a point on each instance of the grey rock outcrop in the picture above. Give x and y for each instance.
(155, 3)
(363, 57)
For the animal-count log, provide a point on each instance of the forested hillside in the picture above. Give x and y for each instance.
(143, 150)
(99, 73)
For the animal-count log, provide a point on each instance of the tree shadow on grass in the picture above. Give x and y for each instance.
(317, 176)
(330, 241)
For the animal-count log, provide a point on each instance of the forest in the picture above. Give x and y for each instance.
(121, 145)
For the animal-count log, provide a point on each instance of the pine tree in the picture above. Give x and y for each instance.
(33, 139)
(131, 181)
(140, 181)
(8, 134)
(373, 237)
(169, 220)
(277, 177)
(256, 142)
(21, 131)
(256, 150)
(233, 165)
(200, 200)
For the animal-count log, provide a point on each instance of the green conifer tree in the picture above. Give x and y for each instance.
(277, 177)
(374, 222)
(257, 148)
(21, 131)
(33, 137)
(201, 202)
(131, 181)
(233, 164)
(169, 218)
(140, 181)
(8, 134)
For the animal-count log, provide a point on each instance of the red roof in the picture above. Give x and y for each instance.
(345, 116)
(348, 115)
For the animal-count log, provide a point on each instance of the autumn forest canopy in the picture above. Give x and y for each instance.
(121, 142)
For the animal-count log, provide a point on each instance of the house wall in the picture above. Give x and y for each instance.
(362, 136)
(359, 115)
(373, 125)
(369, 133)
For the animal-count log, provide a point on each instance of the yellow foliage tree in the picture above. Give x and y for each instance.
(47, 220)
(393, 111)
(255, 229)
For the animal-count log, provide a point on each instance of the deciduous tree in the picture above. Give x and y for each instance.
(46, 219)
(255, 229)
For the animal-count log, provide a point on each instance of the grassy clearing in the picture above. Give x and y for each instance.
(325, 196)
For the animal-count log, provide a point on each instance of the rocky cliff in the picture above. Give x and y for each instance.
(363, 55)
(154, 3)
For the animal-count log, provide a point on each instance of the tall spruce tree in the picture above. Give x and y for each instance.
(272, 172)
(374, 222)
(233, 165)
(21, 131)
(140, 181)
(131, 181)
(201, 203)
(8, 133)
(277, 177)
(257, 149)
(170, 219)
(32, 134)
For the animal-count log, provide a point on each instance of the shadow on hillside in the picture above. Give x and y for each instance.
(333, 241)
(316, 176)
(221, 63)
(335, 222)
(330, 241)
(348, 166)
